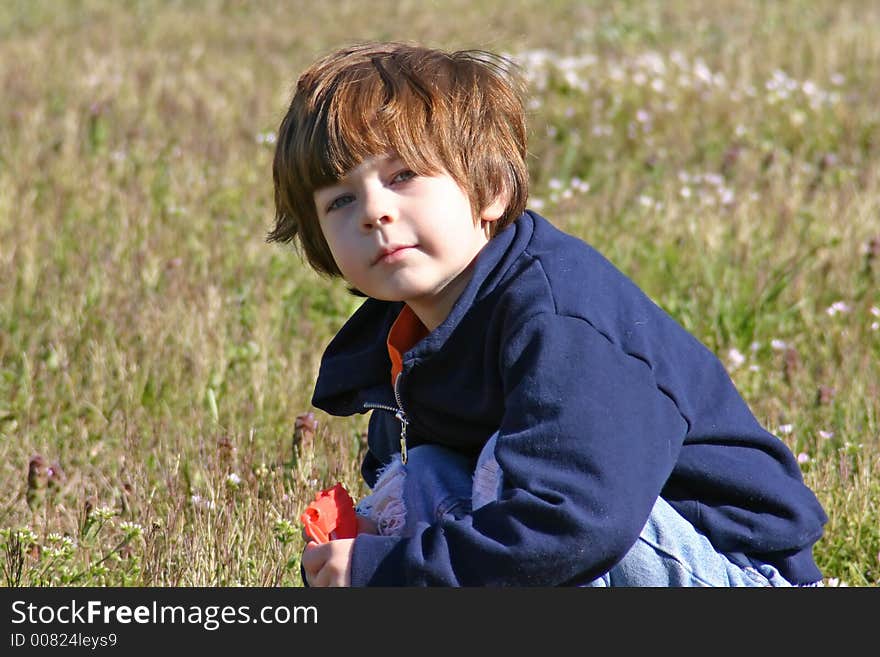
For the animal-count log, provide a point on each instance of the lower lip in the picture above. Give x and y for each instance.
(395, 256)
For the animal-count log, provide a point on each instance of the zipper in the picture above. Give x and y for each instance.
(399, 413)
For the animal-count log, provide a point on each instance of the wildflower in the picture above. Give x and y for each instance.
(304, 429)
(266, 138)
(54, 552)
(652, 61)
(37, 480)
(58, 546)
(778, 345)
(284, 530)
(200, 502)
(580, 185)
(837, 307)
(225, 449)
(826, 434)
(785, 429)
(824, 395)
(797, 118)
(102, 513)
(26, 536)
(702, 72)
(803, 458)
(678, 58)
(713, 179)
(735, 358)
(131, 530)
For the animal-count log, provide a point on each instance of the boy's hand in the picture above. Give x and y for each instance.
(328, 564)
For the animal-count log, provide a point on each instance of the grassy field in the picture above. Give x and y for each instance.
(157, 356)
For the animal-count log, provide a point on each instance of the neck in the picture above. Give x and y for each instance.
(433, 309)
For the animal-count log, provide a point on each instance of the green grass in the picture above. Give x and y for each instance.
(156, 352)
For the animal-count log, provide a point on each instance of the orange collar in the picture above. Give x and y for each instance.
(405, 333)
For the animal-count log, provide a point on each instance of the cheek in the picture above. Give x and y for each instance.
(333, 243)
(344, 251)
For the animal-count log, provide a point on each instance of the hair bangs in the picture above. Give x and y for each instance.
(367, 115)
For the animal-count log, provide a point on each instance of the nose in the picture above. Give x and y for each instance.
(379, 210)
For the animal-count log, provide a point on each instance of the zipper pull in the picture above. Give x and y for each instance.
(401, 416)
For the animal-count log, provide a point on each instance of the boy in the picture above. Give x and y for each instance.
(536, 419)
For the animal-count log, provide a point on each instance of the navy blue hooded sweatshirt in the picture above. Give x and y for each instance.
(603, 402)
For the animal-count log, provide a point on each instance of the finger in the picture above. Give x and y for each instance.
(335, 571)
(317, 580)
(311, 565)
(313, 557)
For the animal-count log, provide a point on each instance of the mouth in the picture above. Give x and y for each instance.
(392, 253)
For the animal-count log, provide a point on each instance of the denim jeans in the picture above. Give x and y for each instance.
(669, 551)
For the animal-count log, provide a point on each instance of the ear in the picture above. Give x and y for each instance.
(495, 210)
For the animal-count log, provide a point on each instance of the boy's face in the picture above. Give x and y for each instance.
(399, 236)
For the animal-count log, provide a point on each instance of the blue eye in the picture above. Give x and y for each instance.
(403, 176)
(339, 202)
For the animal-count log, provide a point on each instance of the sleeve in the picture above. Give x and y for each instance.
(586, 442)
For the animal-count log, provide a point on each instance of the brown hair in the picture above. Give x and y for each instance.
(456, 111)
